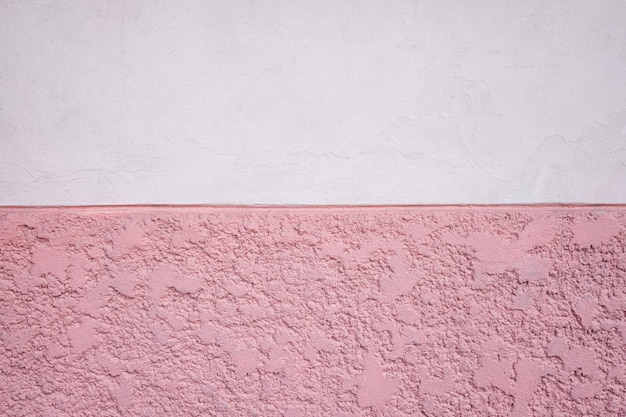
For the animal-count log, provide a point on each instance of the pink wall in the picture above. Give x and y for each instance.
(322, 312)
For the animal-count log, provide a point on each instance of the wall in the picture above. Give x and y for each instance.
(394, 311)
(313, 312)
(312, 102)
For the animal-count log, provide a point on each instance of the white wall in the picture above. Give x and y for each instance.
(312, 102)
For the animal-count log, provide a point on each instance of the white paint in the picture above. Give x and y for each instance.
(312, 102)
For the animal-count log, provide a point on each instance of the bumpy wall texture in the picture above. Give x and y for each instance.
(316, 312)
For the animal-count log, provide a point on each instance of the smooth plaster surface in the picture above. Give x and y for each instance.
(474, 311)
(312, 102)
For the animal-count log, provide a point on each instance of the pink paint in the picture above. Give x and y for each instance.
(375, 388)
(401, 311)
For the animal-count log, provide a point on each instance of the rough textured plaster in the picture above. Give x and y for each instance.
(512, 311)
(312, 102)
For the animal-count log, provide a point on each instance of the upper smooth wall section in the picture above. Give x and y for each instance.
(312, 102)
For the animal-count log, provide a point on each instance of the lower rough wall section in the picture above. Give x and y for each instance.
(200, 311)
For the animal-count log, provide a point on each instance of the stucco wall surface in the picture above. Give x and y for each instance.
(312, 102)
(503, 311)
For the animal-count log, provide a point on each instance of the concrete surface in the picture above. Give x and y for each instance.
(312, 102)
(509, 311)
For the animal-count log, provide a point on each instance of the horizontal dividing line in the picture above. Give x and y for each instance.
(316, 208)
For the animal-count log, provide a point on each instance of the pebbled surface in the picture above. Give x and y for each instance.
(467, 311)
